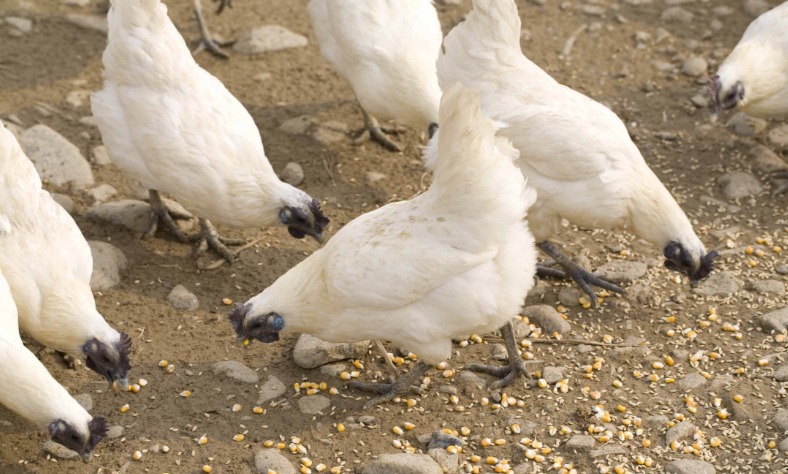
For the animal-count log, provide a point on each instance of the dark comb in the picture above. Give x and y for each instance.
(123, 346)
(714, 90)
(237, 315)
(321, 221)
(706, 265)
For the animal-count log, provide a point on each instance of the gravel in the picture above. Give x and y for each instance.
(268, 460)
(108, 263)
(621, 271)
(293, 174)
(548, 319)
(273, 388)
(313, 404)
(403, 464)
(183, 299)
(718, 284)
(268, 38)
(311, 352)
(679, 432)
(581, 443)
(56, 159)
(744, 125)
(738, 185)
(235, 370)
(134, 215)
(694, 67)
(764, 287)
(689, 466)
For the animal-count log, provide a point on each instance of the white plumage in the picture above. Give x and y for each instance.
(754, 77)
(174, 127)
(27, 388)
(575, 152)
(458, 259)
(48, 265)
(386, 49)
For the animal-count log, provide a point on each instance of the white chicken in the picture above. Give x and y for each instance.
(575, 152)
(27, 388)
(458, 259)
(172, 126)
(48, 265)
(386, 49)
(754, 77)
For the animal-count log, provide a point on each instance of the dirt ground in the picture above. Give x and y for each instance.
(675, 137)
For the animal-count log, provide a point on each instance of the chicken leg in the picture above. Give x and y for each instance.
(206, 40)
(516, 364)
(209, 237)
(374, 131)
(582, 277)
(388, 391)
(161, 214)
(783, 187)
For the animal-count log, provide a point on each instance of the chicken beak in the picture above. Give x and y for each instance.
(319, 237)
(713, 117)
(85, 456)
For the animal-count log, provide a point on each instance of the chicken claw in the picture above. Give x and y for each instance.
(389, 391)
(209, 237)
(207, 42)
(222, 4)
(582, 277)
(783, 187)
(163, 215)
(516, 364)
(375, 132)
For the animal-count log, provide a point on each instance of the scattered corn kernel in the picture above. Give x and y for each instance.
(206, 468)
(238, 437)
(186, 393)
(227, 301)
(137, 455)
(340, 427)
(646, 443)
(203, 440)
(397, 430)
(715, 442)
(163, 363)
(124, 408)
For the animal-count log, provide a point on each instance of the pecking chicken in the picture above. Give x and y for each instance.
(172, 126)
(27, 388)
(458, 259)
(48, 264)
(575, 152)
(386, 49)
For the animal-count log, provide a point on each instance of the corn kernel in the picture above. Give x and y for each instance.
(340, 427)
(203, 440)
(137, 455)
(124, 408)
(671, 319)
(772, 444)
(669, 360)
(492, 460)
(670, 333)
(500, 442)
(596, 395)
(227, 301)
(722, 414)
(487, 442)
(186, 394)
(749, 250)
(715, 442)
(737, 398)
(465, 431)
(306, 462)
(280, 445)
(620, 470)
(763, 362)
(621, 408)
(448, 373)
(411, 402)
(320, 467)
(206, 469)
(163, 363)
(169, 369)
(238, 437)
(542, 383)
(617, 384)
(653, 377)
(397, 430)
(646, 443)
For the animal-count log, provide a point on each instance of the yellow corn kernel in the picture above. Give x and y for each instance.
(238, 437)
(345, 375)
(680, 416)
(186, 394)
(320, 467)
(124, 408)
(621, 408)
(306, 462)
(772, 444)
(763, 362)
(206, 469)
(448, 373)
(236, 407)
(596, 395)
(646, 443)
(169, 369)
(163, 363)
(670, 333)
(749, 250)
(674, 445)
(715, 442)
(737, 398)
(340, 427)
(257, 410)
(280, 445)
(411, 402)
(268, 443)
(312, 391)
(722, 414)
(542, 383)
(669, 360)
(203, 440)
(492, 460)
(137, 455)
(607, 339)
(620, 469)
(500, 442)
(617, 384)
(465, 431)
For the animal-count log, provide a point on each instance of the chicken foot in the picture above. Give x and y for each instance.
(209, 237)
(783, 187)
(374, 131)
(578, 274)
(207, 42)
(161, 214)
(516, 364)
(389, 391)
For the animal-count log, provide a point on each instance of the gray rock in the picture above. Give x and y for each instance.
(781, 269)
(134, 215)
(765, 160)
(716, 24)
(779, 136)
(441, 440)
(780, 421)
(403, 464)
(108, 263)
(85, 400)
(499, 352)
(59, 450)
(553, 374)
(738, 185)
(22, 24)
(470, 377)
(744, 125)
(766, 286)
(694, 67)
(181, 298)
(629, 354)
(526, 467)
(366, 420)
(297, 125)
(569, 297)
(236, 371)
(692, 381)
(593, 10)
(641, 293)
(447, 389)
(268, 38)
(722, 11)
(700, 101)
(756, 8)
(783, 446)
(581, 443)
(313, 404)
(656, 421)
(311, 352)
(101, 193)
(446, 460)
(722, 283)
(610, 450)
(271, 389)
(776, 321)
(689, 466)
(548, 319)
(89, 22)
(272, 460)
(293, 174)
(65, 202)
(373, 177)
(326, 135)
(676, 15)
(115, 431)
(621, 271)
(334, 369)
(101, 155)
(584, 349)
(56, 159)
(679, 432)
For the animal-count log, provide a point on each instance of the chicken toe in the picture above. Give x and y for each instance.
(207, 42)
(222, 4)
(389, 391)
(578, 274)
(210, 238)
(163, 215)
(507, 374)
(374, 131)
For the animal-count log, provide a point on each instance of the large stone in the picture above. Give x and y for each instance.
(271, 389)
(65, 202)
(776, 321)
(56, 159)
(629, 355)
(765, 160)
(59, 451)
(442, 440)
(718, 284)
(756, 8)
(677, 15)
(236, 371)
(581, 443)
(269, 460)
(779, 136)
(403, 464)
(610, 450)
(313, 404)
(766, 286)
(181, 298)
(780, 421)
(297, 125)
(621, 271)
(689, 466)
(293, 174)
(744, 125)
(101, 193)
(548, 319)
(108, 263)
(569, 296)
(694, 67)
(553, 374)
(24, 25)
(679, 432)
(311, 352)
(115, 431)
(101, 155)
(738, 185)
(781, 374)
(85, 400)
(89, 22)
(691, 382)
(446, 460)
(268, 38)
(134, 215)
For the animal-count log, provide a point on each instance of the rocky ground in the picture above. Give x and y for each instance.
(667, 378)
